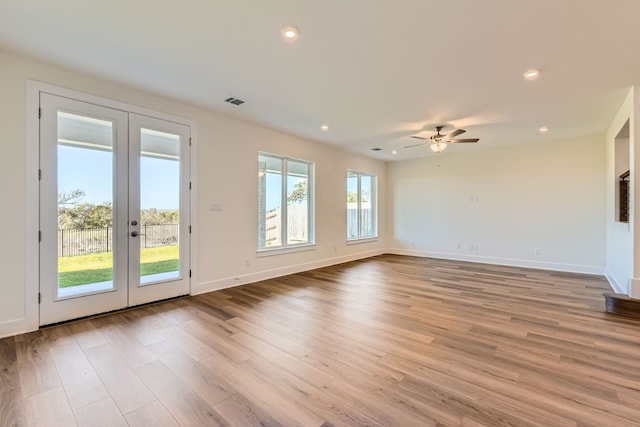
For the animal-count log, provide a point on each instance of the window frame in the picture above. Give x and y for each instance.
(374, 206)
(285, 246)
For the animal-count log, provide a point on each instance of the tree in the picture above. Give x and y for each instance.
(299, 193)
(154, 216)
(86, 215)
(76, 215)
(71, 198)
(352, 196)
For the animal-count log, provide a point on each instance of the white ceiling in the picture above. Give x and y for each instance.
(375, 71)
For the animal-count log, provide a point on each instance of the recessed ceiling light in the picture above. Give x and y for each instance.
(531, 74)
(290, 34)
(543, 129)
(394, 152)
(324, 128)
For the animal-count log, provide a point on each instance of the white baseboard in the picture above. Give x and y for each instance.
(229, 282)
(525, 263)
(617, 288)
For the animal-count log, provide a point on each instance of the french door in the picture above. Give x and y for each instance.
(114, 209)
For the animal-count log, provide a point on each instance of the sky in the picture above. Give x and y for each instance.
(91, 171)
(274, 191)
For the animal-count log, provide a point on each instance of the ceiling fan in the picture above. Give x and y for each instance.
(438, 142)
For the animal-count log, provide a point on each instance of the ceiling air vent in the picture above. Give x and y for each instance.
(376, 149)
(234, 101)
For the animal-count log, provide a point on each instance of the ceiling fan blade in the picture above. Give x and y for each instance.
(418, 137)
(455, 141)
(455, 133)
(415, 145)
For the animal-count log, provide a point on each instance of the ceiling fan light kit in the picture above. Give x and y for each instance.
(438, 147)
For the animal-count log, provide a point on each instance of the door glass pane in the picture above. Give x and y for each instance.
(297, 202)
(85, 204)
(269, 202)
(159, 206)
(352, 205)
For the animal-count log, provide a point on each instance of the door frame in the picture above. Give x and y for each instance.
(32, 202)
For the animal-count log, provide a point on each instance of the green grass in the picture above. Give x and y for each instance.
(84, 269)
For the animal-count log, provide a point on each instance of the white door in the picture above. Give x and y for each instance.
(114, 209)
(158, 209)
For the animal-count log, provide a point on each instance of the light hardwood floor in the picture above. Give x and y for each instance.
(387, 341)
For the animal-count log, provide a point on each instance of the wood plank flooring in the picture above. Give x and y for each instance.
(387, 341)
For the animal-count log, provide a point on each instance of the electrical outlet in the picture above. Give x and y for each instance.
(537, 251)
(248, 262)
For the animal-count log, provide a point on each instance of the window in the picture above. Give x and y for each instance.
(362, 221)
(288, 183)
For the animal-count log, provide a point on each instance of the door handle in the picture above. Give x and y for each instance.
(134, 234)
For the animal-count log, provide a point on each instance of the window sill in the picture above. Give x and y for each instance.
(362, 240)
(283, 251)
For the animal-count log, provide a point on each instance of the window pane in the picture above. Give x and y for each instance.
(297, 202)
(269, 202)
(352, 205)
(366, 206)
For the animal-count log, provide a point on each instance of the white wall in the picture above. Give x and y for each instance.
(12, 184)
(619, 259)
(229, 177)
(507, 202)
(226, 173)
